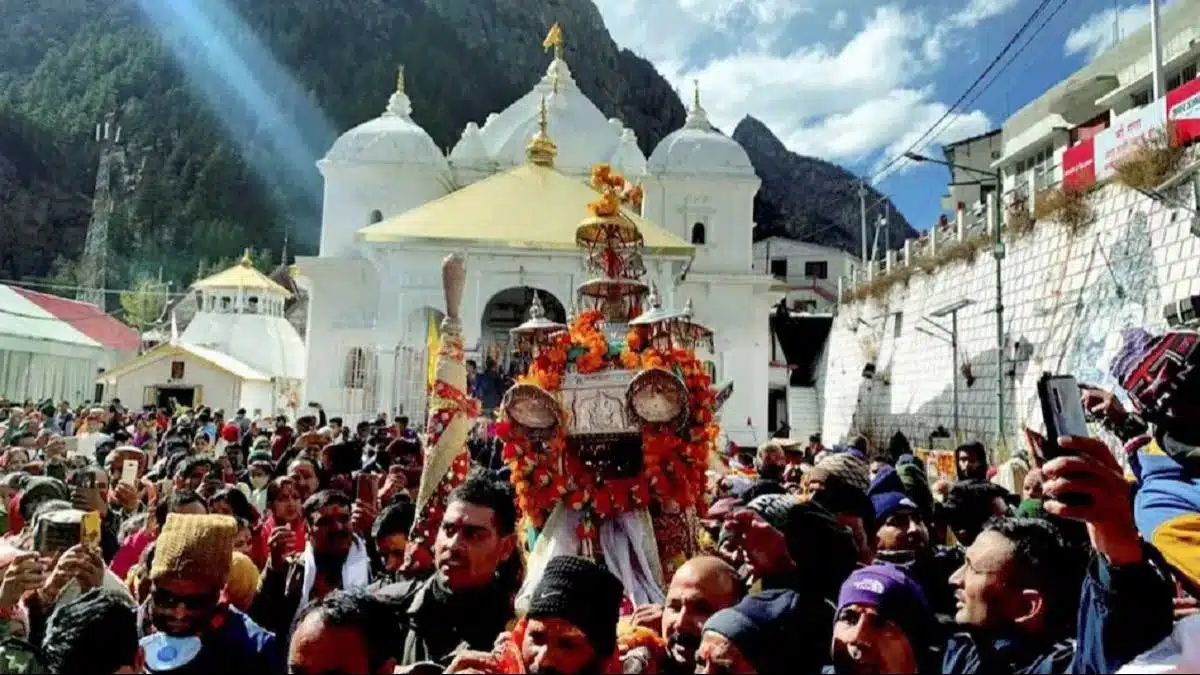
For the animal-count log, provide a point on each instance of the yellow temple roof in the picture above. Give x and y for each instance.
(242, 275)
(531, 206)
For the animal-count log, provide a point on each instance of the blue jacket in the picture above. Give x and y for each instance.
(1122, 613)
(1167, 509)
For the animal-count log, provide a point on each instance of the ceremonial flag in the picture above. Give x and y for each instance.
(554, 38)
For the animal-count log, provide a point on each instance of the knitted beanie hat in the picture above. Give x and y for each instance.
(773, 509)
(764, 627)
(848, 467)
(586, 595)
(887, 494)
(197, 548)
(1156, 371)
(242, 584)
(895, 596)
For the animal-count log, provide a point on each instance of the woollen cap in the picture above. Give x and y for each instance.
(773, 508)
(895, 596)
(764, 627)
(196, 548)
(849, 468)
(242, 584)
(584, 594)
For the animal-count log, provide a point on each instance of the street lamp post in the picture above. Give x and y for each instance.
(951, 311)
(998, 254)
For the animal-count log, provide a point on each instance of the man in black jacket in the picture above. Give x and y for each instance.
(468, 600)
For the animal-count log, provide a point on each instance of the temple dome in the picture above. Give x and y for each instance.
(699, 149)
(391, 138)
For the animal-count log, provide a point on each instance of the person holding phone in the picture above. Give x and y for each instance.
(1013, 588)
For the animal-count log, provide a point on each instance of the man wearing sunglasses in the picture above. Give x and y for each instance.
(192, 631)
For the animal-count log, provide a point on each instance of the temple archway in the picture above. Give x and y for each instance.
(504, 311)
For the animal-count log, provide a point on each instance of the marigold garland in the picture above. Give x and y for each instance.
(674, 462)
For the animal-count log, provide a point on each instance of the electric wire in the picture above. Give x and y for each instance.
(950, 111)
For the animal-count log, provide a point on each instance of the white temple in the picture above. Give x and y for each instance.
(395, 206)
(238, 351)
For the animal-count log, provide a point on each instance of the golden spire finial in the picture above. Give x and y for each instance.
(541, 149)
(246, 261)
(400, 79)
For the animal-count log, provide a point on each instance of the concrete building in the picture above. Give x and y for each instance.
(807, 273)
(1081, 127)
(969, 189)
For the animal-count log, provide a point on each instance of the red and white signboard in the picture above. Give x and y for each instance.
(1183, 108)
(1094, 159)
(1079, 165)
(1126, 133)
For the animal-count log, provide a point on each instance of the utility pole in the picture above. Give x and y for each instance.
(862, 206)
(998, 251)
(93, 268)
(1156, 48)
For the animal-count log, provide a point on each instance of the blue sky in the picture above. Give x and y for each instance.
(857, 81)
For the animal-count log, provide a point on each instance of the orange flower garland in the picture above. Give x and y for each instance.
(674, 462)
(585, 334)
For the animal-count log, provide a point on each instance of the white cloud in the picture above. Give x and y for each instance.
(978, 11)
(840, 19)
(853, 102)
(1095, 35)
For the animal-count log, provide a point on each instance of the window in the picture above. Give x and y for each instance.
(816, 270)
(779, 267)
(1140, 99)
(1183, 77)
(1040, 166)
(899, 328)
(357, 369)
(698, 237)
(376, 216)
(226, 303)
(252, 304)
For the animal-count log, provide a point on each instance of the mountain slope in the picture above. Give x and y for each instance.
(223, 116)
(811, 199)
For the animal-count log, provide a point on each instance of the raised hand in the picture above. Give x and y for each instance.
(1099, 496)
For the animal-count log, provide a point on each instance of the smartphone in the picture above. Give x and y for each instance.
(1062, 411)
(367, 488)
(129, 472)
(56, 532)
(89, 529)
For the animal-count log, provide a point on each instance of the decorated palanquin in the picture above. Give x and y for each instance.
(609, 432)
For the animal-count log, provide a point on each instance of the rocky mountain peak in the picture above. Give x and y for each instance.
(811, 199)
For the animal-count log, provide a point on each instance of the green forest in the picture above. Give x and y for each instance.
(224, 106)
(207, 171)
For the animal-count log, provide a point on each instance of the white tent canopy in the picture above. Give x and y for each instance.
(42, 356)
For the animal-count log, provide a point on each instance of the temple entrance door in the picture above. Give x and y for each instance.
(506, 310)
